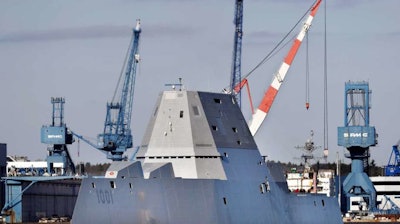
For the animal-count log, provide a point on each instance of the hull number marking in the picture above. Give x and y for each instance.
(104, 197)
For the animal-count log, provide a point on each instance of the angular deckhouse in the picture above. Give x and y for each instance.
(195, 132)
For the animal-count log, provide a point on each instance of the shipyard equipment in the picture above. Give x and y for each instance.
(237, 82)
(116, 137)
(390, 204)
(393, 167)
(269, 96)
(57, 137)
(237, 49)
(357, 136)
(42, 188)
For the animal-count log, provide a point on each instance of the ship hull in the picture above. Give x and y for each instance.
(198, 163)
(162, 199)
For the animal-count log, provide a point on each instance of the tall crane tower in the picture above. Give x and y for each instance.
(117, 137)
(357, 136)
(57, 137)
(237, 51)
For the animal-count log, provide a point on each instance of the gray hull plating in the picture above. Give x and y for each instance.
(225, 179)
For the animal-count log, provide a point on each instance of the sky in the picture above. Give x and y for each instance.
(75, 49)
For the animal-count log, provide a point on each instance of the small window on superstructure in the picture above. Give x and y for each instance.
(263, 188)
(239, 142)
(196, 110)
(93, 185)
(214, 127)
(130, 185)
(217, 100)
(112, 184)
(181, 114)
(234, 129)
(267, 186)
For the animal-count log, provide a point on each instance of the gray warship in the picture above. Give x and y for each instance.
(198, 163)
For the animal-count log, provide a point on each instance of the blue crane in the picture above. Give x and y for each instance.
(117, 137)
(357, 136)
(393, 167)
(237, 51)
(57, 136)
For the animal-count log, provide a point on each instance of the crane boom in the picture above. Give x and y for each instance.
(117, 136)
(269, 96)
(237, 50)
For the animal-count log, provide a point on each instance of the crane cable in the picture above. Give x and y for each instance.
(307, 75)
(122, 69)
(325, 88)
(79, 146)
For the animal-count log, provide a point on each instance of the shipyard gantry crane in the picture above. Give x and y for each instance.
(237, 51)
(117, 137)
(57, 137)
(357, 136)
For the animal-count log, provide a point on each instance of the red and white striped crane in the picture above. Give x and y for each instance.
(269, 96)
